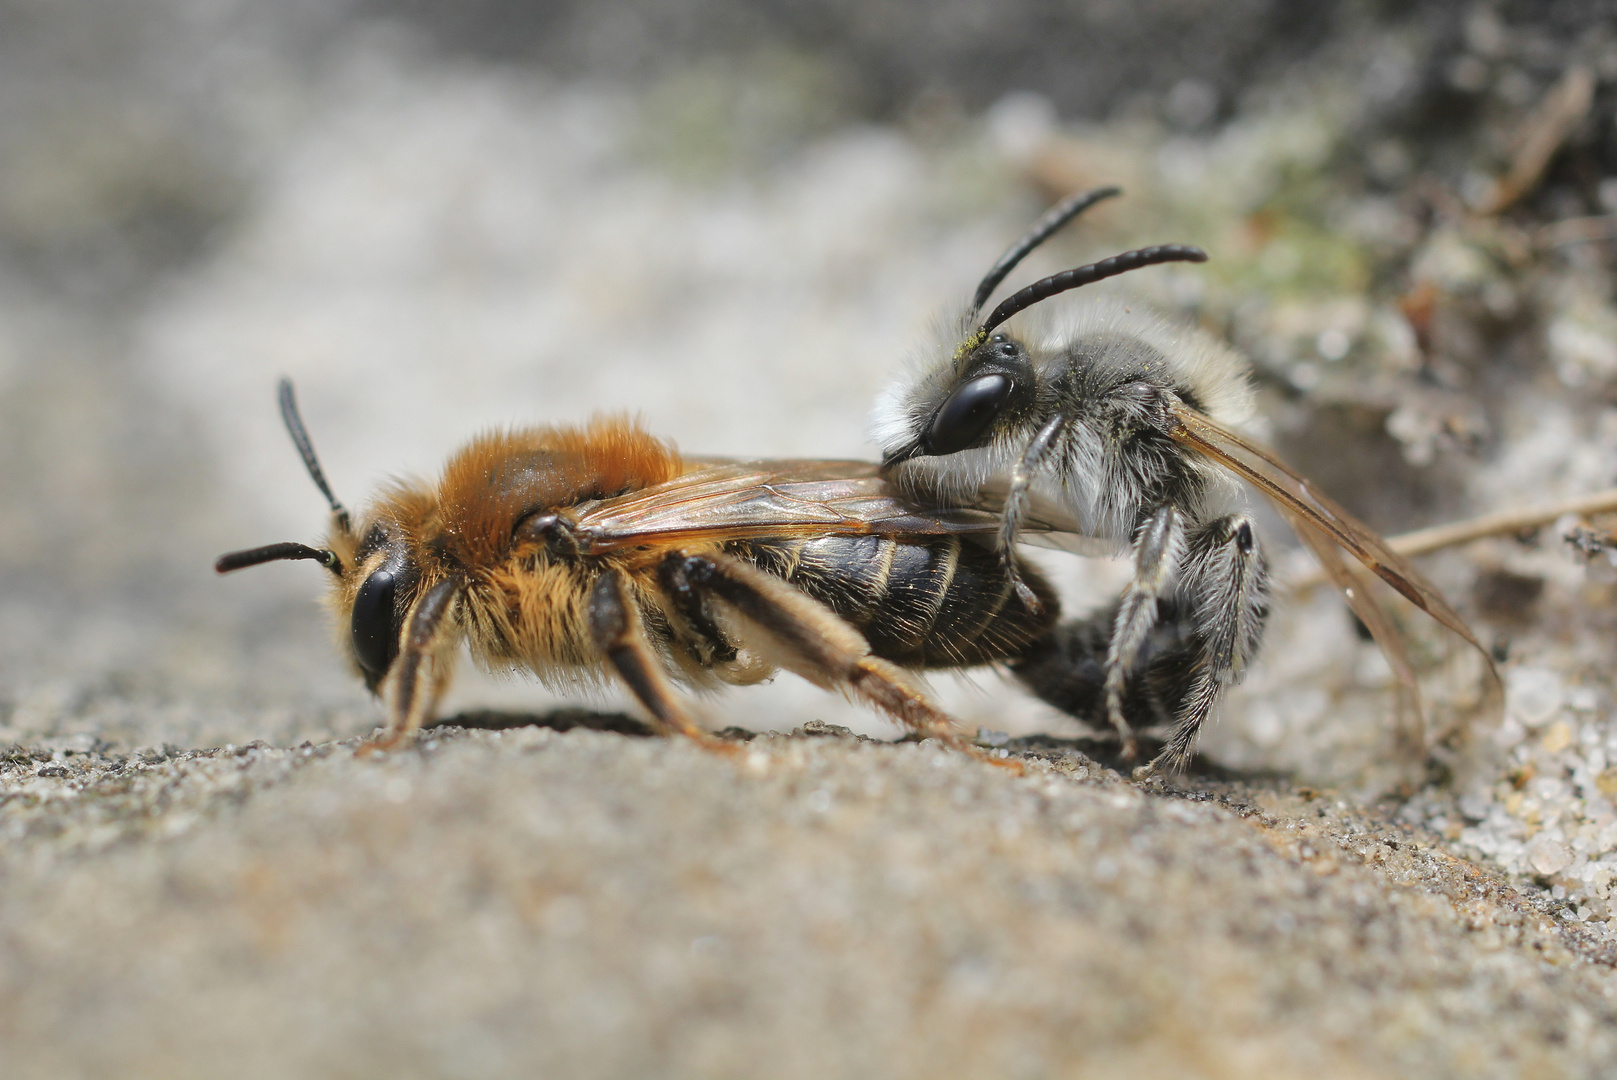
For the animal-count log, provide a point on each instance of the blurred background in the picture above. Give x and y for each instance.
(740, 221)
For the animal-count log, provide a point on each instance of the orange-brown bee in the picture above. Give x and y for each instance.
(577, 551)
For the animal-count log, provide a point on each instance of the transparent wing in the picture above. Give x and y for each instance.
(1074, 543)
(1325, 520)
(1047, 522)
(733, 500)
(1355, 590)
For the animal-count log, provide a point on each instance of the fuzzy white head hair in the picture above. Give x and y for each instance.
(1210, 375)
(1076, 354)
(1207, 373)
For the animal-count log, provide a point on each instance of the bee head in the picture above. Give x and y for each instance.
(988, 387)
(377, 595)
(986, 392)
(376, 577)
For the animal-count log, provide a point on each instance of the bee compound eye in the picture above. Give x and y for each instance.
(374, 626)
(967, 414)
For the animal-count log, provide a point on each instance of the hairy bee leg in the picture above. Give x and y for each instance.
(615, 627)
(416, 692)
(1226, 577)
(1159, 543)
(1028, 466)
(812, 641)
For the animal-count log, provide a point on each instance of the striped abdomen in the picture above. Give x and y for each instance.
(939, 602)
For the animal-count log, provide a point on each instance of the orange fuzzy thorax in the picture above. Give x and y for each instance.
(502, 476)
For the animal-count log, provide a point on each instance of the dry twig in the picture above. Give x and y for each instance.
(1541, 135)
(1505, 522)
(1580, 230)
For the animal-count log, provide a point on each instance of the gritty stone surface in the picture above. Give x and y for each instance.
(529, 902)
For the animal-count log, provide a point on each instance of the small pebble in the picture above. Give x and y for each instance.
(1558, 737)
(1533, 695)
(1547, 855)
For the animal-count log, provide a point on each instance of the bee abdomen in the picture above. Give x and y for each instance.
(938, 602)
(982, 619)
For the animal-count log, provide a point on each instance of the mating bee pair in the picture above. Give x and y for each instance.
(574, 552)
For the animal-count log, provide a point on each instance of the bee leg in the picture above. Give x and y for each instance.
(1159, 541)
(415, 694)
(702, 636)
(1067, 667)
(1226, 579)
(807, 638)
(1027, 467)
(614, 619)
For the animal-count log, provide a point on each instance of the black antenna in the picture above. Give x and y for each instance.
(1057, 216)
(300, 438)
(240, 560)
(1084, 275)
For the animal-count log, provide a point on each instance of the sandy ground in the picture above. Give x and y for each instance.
(584, 904)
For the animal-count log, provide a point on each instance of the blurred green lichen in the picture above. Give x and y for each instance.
(738, 115)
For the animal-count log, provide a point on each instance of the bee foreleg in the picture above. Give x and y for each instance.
(1028, 466)
(1159, 543)
(810, 640)
(431, 627)
(1225, 578)
(614, 619)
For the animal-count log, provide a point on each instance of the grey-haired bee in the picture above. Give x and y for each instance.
(1122, 426)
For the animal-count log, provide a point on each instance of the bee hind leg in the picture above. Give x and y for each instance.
(1226, 580)
(615, 627)
(807, 638)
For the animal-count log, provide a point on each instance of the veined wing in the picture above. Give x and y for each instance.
(734, 500)
(1298, 499)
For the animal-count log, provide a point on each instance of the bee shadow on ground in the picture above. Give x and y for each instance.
(1103, 749)
(557, 720)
